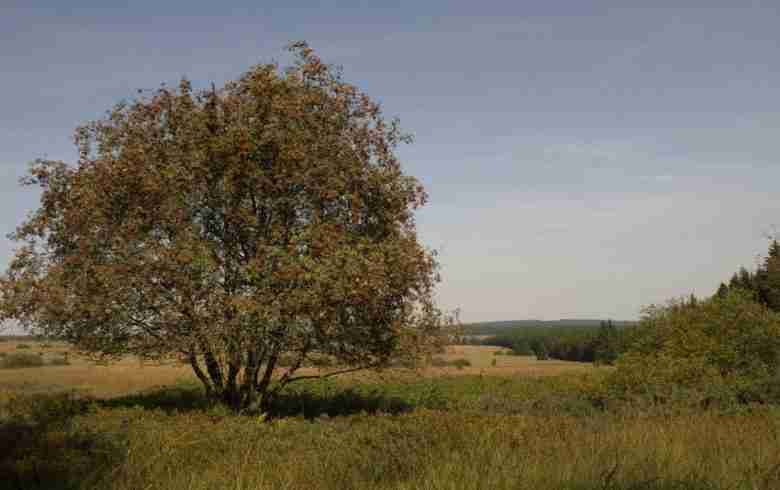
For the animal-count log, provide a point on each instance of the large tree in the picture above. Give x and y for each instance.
(234, 226)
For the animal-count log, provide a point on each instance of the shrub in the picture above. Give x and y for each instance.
(21, 360)
(460, 363)
(722, 350)
(23, 346)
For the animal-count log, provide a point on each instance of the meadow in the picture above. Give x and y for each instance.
(504, 422)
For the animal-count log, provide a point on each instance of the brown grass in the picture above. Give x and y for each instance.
(130, 375)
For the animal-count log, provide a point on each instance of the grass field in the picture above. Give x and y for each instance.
(130, 375)
(521, 424)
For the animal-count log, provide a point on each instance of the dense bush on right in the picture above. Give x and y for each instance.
(722, 350)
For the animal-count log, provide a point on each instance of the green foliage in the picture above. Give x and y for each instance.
(510, 326)
(583, 342)
(23, 346)
(541, 351)
(608, 344)
(763, 285)
(16, 360)
(522, 347)
(721, 350)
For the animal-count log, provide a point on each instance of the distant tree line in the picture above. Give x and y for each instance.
(601, 343)
(605, 341)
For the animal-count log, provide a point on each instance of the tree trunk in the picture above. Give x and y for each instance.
(213, 368)
(193, 358)
(249, 389)
(262, 387)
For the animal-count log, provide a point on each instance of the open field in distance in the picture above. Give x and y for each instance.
(130, 375)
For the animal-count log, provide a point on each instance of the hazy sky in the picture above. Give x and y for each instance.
(583, 158)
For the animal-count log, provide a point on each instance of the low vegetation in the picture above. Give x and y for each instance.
(20, 360)
(459, 363)
(723, 350)
(450, 432)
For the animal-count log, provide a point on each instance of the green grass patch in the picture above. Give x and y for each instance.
(455, 432)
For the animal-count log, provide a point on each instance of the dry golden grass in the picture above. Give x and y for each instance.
(130, 375)
(84, 376)
(481, 358)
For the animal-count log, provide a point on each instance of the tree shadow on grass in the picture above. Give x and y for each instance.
(349, 401)
(170, 399)
(41, 449)
(307, 402)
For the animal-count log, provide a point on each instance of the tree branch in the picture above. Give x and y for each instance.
(334, 373)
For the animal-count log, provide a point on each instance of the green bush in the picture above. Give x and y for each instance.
(21, 360)
(722, 350)
(23, 346)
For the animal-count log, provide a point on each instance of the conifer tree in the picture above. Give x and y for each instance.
(768, 278)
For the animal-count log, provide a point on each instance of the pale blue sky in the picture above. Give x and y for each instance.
(584, 158)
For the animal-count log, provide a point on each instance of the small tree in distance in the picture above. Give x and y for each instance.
(234, 226)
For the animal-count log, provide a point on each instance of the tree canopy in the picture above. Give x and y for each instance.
(233, 226)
